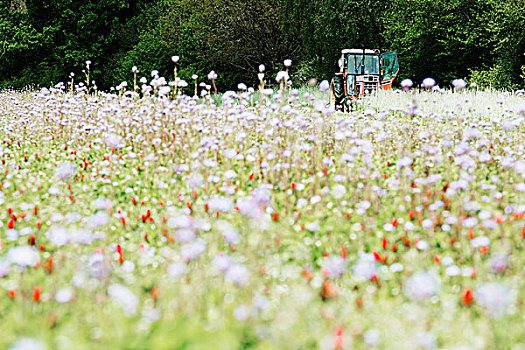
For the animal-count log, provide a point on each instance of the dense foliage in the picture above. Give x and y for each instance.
(41, 42)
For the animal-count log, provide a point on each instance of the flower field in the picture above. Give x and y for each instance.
(261, 222)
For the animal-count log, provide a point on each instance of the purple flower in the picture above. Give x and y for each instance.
(334, 266)
(459, 84)
(238, 274)
(496, 298)
(124, 297)
(428, 83)
(421, 285)
(324, 85)
(406, 84)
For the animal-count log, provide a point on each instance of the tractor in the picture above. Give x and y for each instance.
(361, 72)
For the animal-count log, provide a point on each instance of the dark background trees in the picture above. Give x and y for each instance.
(42, 41)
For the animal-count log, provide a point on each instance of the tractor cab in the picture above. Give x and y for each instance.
(362, 72)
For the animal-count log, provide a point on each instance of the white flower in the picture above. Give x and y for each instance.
(495, 297)
(447, 260)
(220, 204)
(313, 226)
(27, 344)
(242, 86)
(452, 270)
(102, 204)
(372, 337)
(4, 267)
(338, 191)
(222, 262)
(63, 295)
(479, 242)
(427, 223)
(175, 59)
(99, 219)
(114, 140)
(128, 266)
(388, 227)
(287, 63)
(315, 199)
(124, 297)
(498, 262)
(229, 233)
(58, 235)
(365, 267)
(422, 245)
(23, 256)
(324, 85)
(192, 250)
(184, 235)
(334, 266)
(267, 92)
(421, 285)
(179, 221)
(426, 340)
(404, 162)
(459, 84)
(177, 269)
(470, 222)
(406, 84)
(212, 75)
(96, 266)
(301, 202)
(282, 75)
(428, 83)
(241, 313)
(230, 174)
(408, 226)
(65, 170)
(238, 274)
(396, 267)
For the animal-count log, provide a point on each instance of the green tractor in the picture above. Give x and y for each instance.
(361, 72)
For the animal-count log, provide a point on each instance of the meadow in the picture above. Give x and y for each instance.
(142, 218)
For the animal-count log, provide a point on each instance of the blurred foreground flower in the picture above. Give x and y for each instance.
(28, 344)
(421, 285)
(496, 298)
(23, 256)
(124, 297)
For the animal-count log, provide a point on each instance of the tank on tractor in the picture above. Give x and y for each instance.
(361, 72)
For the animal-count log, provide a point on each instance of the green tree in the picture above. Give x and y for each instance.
(20, 45)
(510, 41)
(236, 36)
(325, 27)
(440, 38)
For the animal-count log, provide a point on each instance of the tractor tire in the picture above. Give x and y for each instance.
(337, 93)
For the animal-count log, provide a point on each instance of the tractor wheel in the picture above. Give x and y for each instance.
(336, 94)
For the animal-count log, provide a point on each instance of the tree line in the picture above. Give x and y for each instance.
(43, 41)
